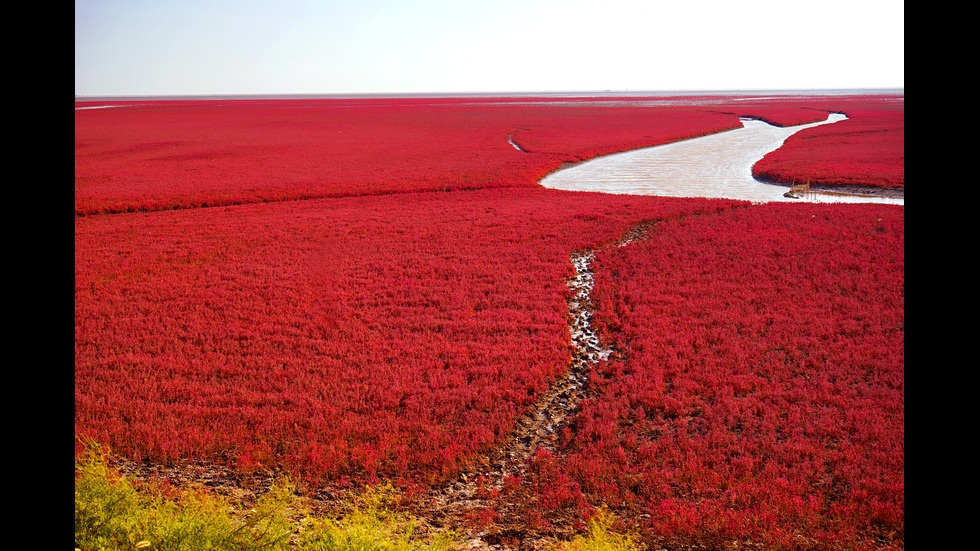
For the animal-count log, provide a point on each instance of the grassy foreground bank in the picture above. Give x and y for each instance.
(113, 512)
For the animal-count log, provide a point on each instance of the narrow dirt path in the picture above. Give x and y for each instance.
(539, 428)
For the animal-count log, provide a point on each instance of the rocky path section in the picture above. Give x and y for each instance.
(540, 427)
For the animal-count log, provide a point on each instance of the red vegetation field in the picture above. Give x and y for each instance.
(759, 390)
(163, 155)
(394, 335)
(375, 289)
(776, 114)
(868, 149)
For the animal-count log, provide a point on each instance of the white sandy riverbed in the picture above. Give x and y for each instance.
(714, 166)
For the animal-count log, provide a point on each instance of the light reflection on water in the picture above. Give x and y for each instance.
(714, 166)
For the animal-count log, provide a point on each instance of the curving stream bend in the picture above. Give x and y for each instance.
(714, 166)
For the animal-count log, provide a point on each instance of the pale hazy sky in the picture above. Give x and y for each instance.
(171, 47)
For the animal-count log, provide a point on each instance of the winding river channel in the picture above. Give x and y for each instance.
(714, 166)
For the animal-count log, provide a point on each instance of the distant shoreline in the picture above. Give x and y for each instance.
(593, 94)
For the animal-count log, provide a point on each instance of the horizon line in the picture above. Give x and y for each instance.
(555, 94)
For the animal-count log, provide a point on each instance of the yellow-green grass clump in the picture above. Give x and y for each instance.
(115, 513)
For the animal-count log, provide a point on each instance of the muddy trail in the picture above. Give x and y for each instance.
(537, 429)
(494, 484)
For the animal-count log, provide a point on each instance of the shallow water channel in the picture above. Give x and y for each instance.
(714, 166)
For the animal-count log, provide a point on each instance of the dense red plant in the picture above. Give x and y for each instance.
(776, 113)
(868, 149)
(396, 335)
(384, 328)
(162, 155)
(758, 392)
